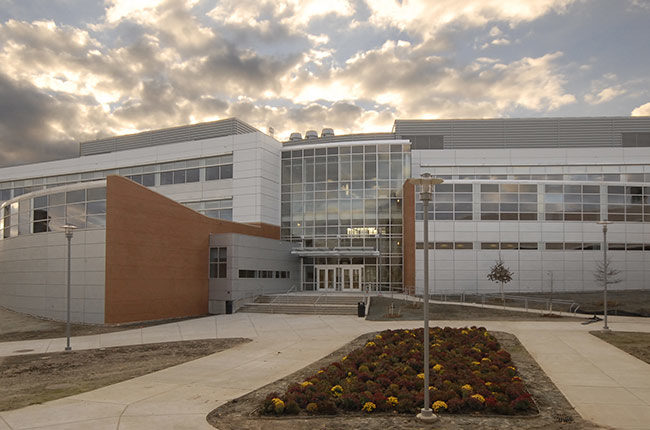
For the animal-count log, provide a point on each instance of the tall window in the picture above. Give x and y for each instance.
(218, 262)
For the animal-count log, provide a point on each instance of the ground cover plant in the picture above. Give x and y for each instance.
(469, 373)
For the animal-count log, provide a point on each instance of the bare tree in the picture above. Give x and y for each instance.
(500, 274)
(606, 267)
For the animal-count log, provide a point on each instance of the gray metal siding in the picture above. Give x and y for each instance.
(526, 133)
(207, 130)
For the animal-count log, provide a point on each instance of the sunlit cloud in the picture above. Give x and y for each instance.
(352, 65)
(643, 110)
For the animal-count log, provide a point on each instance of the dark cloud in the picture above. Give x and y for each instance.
(26, 132)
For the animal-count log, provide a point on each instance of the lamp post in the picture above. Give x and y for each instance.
(426, 183)
(605, 269)
(68, 229)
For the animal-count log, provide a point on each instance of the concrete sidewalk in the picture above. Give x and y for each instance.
(604, 384)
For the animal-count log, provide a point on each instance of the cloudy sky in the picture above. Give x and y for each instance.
(76, 70)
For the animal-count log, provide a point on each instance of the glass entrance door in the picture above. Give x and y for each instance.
(326, 277)
(339, 277)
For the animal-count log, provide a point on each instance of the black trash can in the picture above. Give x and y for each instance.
(361, 309)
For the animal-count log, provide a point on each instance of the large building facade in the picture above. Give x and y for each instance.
(251, 215)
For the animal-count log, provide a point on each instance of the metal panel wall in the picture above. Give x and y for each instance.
(526, 132)
(207, 130)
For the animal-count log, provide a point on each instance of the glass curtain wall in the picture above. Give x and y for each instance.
(347, 196)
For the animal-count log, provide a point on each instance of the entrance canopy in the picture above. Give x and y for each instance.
(349, 251)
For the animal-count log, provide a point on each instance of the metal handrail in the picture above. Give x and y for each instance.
(573, 306)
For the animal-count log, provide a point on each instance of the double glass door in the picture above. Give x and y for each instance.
(339, 277)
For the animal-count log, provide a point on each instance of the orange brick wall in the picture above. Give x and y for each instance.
(408, 248)
(157, 253)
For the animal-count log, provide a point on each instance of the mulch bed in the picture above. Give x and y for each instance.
(555, 412)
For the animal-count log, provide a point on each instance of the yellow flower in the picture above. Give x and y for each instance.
(438, 406)
(432, 388)
(392, 401)
(421, 375)
(344, 358)
(485, 359)
(476, 349)
(321, 371)
(378, 336)
(306, 384)
(475, 363)
(437, 367)
(464, 332)
(511, 368)
(369, 407)
(278, 405)
(370, 344)
(466, 387)
(488, 384)
(383, 355)
(478, 397)
(337, 390)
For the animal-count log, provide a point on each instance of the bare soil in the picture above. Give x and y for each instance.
(555, 412)
(403, 310)
(37, 378)
(18, 326)
(634, 343)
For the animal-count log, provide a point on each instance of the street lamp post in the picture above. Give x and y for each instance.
(426, 183)
(605, 269)
(69, 229)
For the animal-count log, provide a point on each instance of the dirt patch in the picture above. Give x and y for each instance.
(555, 410)
(623, 302)
(18, 326)
(403, 310)
(37, 378)
(634, 343)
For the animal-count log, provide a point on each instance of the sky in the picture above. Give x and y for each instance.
(78, 70)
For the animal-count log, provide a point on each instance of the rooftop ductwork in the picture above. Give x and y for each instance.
(311, 134)
(295, 136)
(327, 132)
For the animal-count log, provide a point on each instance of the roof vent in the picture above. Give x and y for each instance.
(327, 132)
(311, 134)
(295, 136)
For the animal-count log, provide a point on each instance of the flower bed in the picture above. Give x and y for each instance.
(469, 372)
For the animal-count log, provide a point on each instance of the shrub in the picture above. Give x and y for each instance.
(292, 408)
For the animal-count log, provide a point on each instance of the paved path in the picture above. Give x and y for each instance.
(604, 384)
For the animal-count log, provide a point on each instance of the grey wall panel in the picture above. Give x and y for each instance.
(33, 280)
(526, 132)
(221, 128)
(252, 253)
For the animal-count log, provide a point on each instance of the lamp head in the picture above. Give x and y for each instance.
(69, 229)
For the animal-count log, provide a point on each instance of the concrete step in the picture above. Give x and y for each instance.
(299, 309)
(310, 299)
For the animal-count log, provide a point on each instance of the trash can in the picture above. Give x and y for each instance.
(361, 309)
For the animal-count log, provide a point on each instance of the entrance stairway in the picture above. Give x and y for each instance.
(318, 304)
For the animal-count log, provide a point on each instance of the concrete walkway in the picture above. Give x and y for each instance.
(604, 384)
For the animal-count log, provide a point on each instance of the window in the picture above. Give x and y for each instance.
(218, 209)
(218, 168)
(218, 262)
(247, 273)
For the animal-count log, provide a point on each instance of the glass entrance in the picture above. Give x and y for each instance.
(339, 277)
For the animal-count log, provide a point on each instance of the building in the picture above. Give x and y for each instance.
(215, 213)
